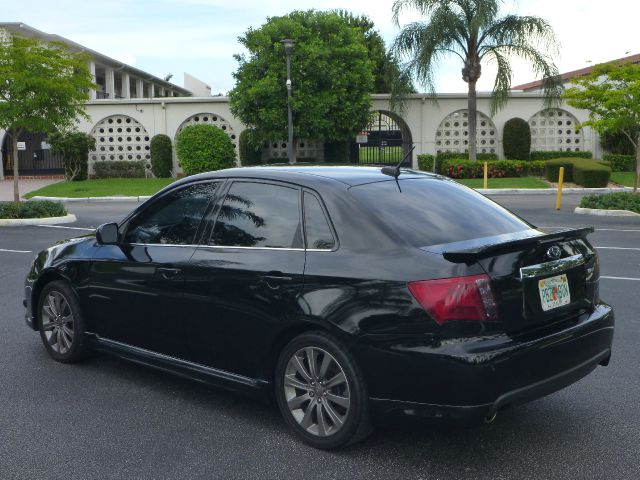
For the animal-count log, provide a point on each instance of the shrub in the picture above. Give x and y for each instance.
(496, 169)
(613, 201)
(161, 156)
(620, 163)
(549, 155)
(591, 174)
(536, 168)
(552, 169)
(516, 139)
(32, 209)
(203, 148)
(616, 142)
(250, 153)
(465, 156)
(337, 152)
(74, 148)
(119, 169)
(425, 162)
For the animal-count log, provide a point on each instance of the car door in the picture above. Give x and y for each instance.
(241, 285)
(136, 286)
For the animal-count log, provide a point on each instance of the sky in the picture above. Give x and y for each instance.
(200, 36)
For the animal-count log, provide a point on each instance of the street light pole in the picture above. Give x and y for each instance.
(288, 48)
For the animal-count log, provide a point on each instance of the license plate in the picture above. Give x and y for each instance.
(554, 292)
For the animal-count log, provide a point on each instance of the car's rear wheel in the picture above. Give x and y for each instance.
(320, 391)
(61, 323)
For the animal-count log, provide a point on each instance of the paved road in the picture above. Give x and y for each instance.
(107, 418)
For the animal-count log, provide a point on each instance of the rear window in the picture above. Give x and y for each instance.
(433, 211)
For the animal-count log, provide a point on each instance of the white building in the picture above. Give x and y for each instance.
(131, 106)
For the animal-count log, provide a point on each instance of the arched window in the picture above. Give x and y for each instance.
(120, 137)
(453, 133)
(555, 129)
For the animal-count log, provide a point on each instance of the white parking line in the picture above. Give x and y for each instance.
(67, 228)
(621, 278)
(14, 251)
(617, 248)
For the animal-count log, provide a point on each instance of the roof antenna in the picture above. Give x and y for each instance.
(395, 171)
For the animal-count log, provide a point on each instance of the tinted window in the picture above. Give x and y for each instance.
(174, 218)
(259, 215)
(431, 211)
(316, 226)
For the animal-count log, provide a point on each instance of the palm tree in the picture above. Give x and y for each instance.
(474, 31)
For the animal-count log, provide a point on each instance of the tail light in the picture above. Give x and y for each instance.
(457, 299)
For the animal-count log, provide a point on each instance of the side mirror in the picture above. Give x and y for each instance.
(107, 234)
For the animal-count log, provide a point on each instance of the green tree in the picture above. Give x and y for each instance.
(474, 31)
(387, 73)
(331, 76)
(611, 94)
(204, 147)
(161, 156)
(43, 88)
(74, 148)
(516, 139)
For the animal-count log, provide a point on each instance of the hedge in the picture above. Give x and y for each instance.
(587, 173)
(613, 201)
(549, 155)
(461, 168)
(161, 156)
(620, 163)
(203, 148)
(465, 156)
(32, 209)
(337, 152)
(119, 169)
(249, 153)
(516, 139)
(591, 175)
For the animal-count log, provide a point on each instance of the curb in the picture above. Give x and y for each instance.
(548, 191)
(20, 222)
(139, 199)
(605, 213)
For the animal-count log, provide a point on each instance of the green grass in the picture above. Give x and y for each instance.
(517, 182)
(623, 178)
(372, 154)
(108, 187)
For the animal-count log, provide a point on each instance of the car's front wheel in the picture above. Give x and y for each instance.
(320, 391)
(61, 323)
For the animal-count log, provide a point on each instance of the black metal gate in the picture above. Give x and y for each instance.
(385, 145)
(35, 159)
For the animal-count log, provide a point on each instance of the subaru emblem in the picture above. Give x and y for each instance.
(554, 252)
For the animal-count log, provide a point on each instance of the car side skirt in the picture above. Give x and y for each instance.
(219, 378)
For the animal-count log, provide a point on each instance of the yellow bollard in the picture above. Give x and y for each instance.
(560, 181)
(486, 182)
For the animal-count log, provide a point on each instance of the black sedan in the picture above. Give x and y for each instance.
(341, 293)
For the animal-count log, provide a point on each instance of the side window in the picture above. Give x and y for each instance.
(259, 215)
(174, 218)
(316, 227)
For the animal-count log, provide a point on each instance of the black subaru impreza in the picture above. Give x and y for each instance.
(342, 293)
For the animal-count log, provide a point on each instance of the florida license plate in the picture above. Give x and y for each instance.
(554, 292)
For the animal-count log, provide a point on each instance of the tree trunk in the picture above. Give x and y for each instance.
(635, 180)
(16, 187)
(472, 108)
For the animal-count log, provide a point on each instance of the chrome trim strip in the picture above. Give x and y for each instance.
(549, 268)
(234, 247)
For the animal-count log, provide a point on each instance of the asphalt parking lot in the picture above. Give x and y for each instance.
(106, 418)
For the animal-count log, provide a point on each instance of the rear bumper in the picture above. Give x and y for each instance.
(471, 378)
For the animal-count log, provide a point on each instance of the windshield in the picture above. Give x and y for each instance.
(434, 211)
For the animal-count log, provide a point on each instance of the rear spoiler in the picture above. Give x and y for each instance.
(473, 254)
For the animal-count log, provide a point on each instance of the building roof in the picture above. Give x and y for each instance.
(568, 76)
(27, 31)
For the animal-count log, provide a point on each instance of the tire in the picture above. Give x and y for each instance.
(325, 404)
(61, 323)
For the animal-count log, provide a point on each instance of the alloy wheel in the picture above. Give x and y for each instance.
(57, 322)
(317, 391)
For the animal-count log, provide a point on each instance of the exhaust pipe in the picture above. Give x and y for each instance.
(490, 417)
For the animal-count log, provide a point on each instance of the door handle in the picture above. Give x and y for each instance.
(168, 273)
(274, 279)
